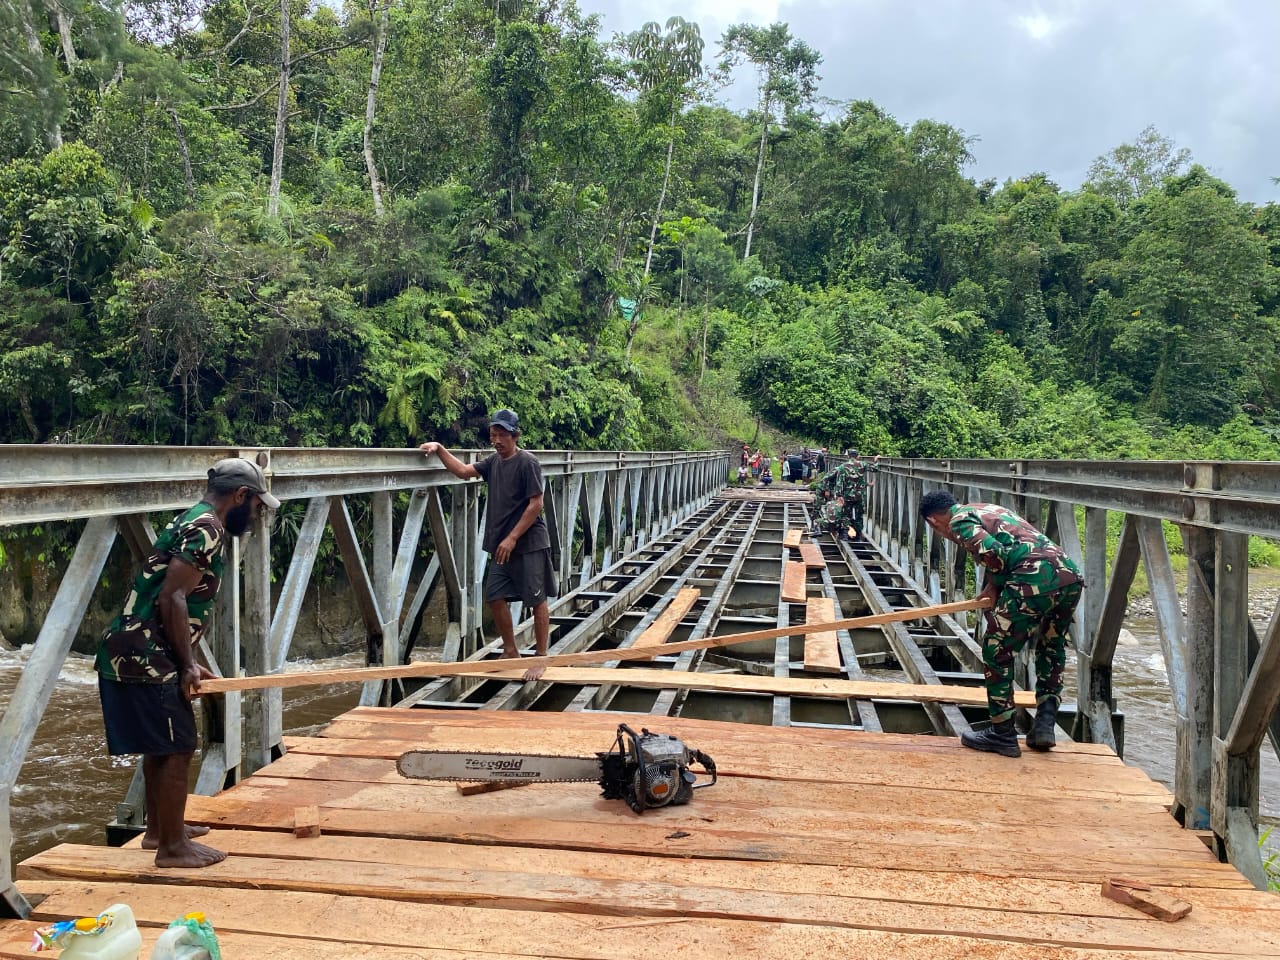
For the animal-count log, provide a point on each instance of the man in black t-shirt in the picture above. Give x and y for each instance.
(515, 534)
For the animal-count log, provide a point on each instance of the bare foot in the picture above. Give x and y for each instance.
(190, 854)
(150, 842)
(534, 673)
(510, 654)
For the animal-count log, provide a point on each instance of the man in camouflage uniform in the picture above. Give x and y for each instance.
(1034, 586)
(147, 671)
(840, 496)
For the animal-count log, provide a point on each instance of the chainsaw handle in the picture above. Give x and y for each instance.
(708, 766)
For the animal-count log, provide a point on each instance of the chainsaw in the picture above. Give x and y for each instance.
(648, 770)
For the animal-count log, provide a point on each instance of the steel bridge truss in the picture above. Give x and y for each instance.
(599, 506)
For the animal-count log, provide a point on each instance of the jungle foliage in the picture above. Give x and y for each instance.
(285, 224)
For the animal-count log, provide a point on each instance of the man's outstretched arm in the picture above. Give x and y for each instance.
(463, 471)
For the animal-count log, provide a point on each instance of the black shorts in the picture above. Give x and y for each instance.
(528, 577)
(153, 719)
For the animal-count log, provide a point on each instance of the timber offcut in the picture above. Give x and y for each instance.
(814, 843)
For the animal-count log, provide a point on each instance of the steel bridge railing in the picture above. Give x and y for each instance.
(1224, 676)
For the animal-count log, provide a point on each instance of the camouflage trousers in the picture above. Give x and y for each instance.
(1017, 620)
(833, 517)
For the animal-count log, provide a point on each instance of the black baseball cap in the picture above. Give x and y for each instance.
(235, 472)
(506, 419)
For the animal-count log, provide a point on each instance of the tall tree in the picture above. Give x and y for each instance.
(1132, 169)
(787, 77)
(282, 114)
(380, 13)
(667, 63)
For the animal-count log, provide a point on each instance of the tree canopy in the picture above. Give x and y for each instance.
(228, 221)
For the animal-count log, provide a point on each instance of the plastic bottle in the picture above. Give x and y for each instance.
(190, 937)
(118, 937)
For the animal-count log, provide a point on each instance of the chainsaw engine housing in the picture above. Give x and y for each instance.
(650, 770)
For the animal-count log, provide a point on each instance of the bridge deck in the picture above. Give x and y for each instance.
(815, 843)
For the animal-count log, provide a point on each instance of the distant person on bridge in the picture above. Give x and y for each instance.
(1035, 587)
(147, 670)
(515, 534)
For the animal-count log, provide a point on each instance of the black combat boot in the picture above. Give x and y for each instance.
(998, 738)
(1041, 735)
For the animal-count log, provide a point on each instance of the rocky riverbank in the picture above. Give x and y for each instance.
(1262, 604)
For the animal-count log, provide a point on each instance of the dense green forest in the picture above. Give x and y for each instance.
(288, 224)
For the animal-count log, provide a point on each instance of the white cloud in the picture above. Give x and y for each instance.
(1037, 26)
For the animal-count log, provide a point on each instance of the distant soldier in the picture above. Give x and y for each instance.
(1035, 586)
(856, 496)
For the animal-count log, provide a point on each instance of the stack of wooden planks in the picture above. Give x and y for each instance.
(815, 843)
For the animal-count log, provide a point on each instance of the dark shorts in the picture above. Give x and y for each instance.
(153, 719)
(528, 577)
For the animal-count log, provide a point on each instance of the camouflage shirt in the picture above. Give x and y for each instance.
(133, 649)
(1013, 551)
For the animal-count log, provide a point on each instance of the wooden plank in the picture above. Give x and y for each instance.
(660, 630)
(641, 896)
(685, 834)
(366, 674)
(692, 727)
(811, 554)
(818, 687)
(367, 926)
(866, 803)
(792, 537)
(793, 582)
(878, 883)
(821, 650)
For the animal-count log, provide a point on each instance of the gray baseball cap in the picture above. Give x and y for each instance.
(235, 472)
(506, 419)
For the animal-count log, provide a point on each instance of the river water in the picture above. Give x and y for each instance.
(69, 786)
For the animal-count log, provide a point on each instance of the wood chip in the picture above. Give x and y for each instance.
(470, 788)
(1141, 896)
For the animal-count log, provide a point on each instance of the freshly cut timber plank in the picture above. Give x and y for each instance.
(365, 926)
(686, 836)
(871, 806)
(908, 886)
(821, 650)
(642, 896)
(793, 582)
(657, 632)
(754, 683)
(793, 535)
(811, 554)
(376, 764)
(364, 674)
(692, 727)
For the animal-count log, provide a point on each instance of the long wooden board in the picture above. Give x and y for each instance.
(821, 687)
(821, 650)
(467, 667)
(367, 926)
(703, 896)
(793, 582)
(660, 630)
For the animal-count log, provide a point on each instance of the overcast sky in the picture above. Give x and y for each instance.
(1044, 85)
